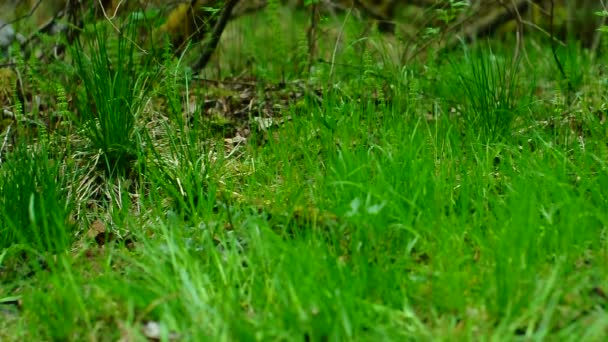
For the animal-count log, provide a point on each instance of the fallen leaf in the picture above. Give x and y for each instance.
(152, 330)
(98, 232)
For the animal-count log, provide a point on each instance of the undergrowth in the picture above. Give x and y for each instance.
(457, 199)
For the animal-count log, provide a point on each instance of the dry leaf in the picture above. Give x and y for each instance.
(152, 330)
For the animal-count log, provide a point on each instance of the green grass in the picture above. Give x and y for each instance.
(462, 199)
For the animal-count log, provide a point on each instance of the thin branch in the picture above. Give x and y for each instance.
(27, 15)
(111, 21)
(598, 34)
(211, 44)
(312, 33)
(46, 27)
(8, 132)
(560, 67)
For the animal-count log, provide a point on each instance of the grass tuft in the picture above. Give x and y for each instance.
(492, 93)
(34, 206)
(115, 79)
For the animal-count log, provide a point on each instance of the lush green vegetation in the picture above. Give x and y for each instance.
(463, 196)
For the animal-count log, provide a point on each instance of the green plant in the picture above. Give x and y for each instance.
(357, 210)
(490, 89)
(182, 174)
(182, 168)
(115, 77)
(34, 206)
(603, 14)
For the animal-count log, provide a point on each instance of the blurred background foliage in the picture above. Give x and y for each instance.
(413, 21)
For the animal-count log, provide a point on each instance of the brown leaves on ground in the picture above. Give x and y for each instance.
(232, 103)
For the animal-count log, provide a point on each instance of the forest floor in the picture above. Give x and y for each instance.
(460, 196)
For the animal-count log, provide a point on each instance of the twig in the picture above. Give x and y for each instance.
(312, 33)
(554, 52)
(598, 34)
(29, 14)
(202, 79)
(110, 20)
(520, 32)
(338, 39)
(113, 14)
(211, 44)
(8, 132)
(46, 27)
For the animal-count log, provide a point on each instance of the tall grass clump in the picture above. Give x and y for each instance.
(182, 157)
(489, 87)
(183, 167)
(115, 80)
(33, 201)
